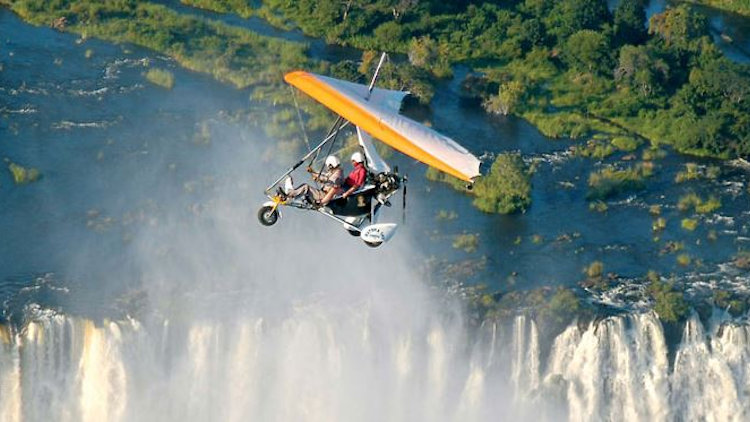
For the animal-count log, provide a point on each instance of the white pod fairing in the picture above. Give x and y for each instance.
(375, 235)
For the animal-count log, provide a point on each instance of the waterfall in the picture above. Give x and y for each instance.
(314, 365)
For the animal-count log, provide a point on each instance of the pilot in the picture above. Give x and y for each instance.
(330, 180)
(357, 176)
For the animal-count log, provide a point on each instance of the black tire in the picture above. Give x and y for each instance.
(354, 233)
(267, 215)
(373, 244)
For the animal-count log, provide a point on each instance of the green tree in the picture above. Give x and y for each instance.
(669, 303)
(508, 97)
(641, 69)
(679, 26)
(507, 187)
(629, 19)
(588, 51)
(570, 16)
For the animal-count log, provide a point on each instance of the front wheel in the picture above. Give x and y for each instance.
(268, 215)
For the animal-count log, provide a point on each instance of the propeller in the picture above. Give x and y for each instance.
(403, 201)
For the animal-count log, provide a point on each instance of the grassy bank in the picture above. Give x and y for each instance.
(230, 54)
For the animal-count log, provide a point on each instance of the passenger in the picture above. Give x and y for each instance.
(358, 175)
(330, 179)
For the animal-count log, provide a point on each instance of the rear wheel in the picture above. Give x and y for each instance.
(268, 215)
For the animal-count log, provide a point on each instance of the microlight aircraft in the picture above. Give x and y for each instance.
(374, 113)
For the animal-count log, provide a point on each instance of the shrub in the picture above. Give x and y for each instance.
(692, 200)
(651, 154)
(689, 224)
(659, 224)
(468, 242)
(669, 303)
(598, 206)
(446, 215)
(594, 270)
(683, 259)
(22, 175)
(611, 181)
(626, 143)
(161, 77)
(507, 187)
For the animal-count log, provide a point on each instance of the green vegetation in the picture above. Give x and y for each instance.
(239, 7)
(571, 67)
(468, 242)
(594, 270)
(22, 175)
(693, 172)
(684, 259)
(659, 224)
(444, 215)
(741, 7)
(626, 143)
(505, 190)
(234, 55)
(689, 224)
(611, 181)
(598, 206)
(507, 187)
(742, 260)
(161, 77)
(653, 154)
(669, 303)
(732, 302)
(553, 308)
(692, 200)
(596, 149)
(690, 173)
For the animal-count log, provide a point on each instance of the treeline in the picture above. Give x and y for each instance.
(571, 65)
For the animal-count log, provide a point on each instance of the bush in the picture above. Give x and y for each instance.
(626, 143)
(689, 224)
(507, 187)
(692, 200)
(684, 259)
(669, 303)
(468, 242)
(22, 175)
(594, 270)
(161, 77)
(691, 172)
(610, 181)
(598, 206)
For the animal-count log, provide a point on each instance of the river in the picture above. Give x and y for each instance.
(153, 293)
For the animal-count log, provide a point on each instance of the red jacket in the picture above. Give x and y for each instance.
(357, 176)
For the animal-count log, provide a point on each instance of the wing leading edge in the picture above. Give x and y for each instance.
(379, 117)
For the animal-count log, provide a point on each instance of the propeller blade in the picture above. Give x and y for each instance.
(403, 201)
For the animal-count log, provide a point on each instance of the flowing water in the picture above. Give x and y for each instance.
(315, 365)
(137, 285)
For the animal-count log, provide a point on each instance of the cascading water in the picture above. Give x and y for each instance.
(317, 365)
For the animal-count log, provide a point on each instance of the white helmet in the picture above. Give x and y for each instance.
(332, 161)
(357, 157)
